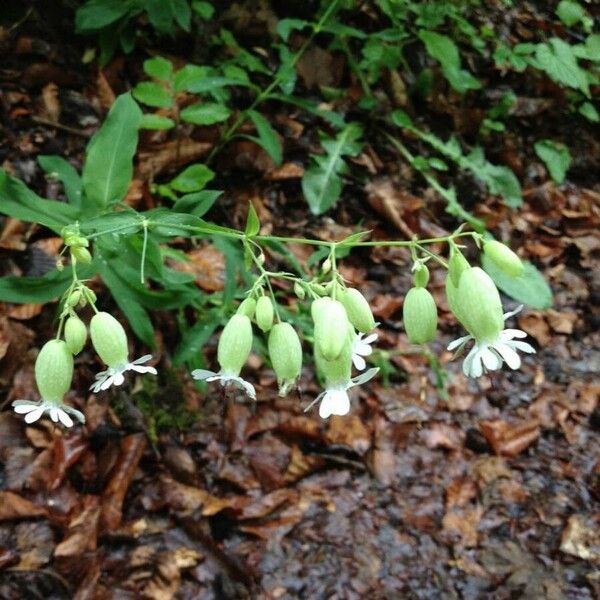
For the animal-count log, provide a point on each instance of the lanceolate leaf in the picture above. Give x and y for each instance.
(37, 289)
(267, 136)
(109, 165)
(59, 168)
(18, 201)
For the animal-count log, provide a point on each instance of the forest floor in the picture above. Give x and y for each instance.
(488, 488)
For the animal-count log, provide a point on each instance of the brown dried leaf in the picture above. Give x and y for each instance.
(442, 435)
(460, 526)
(510, 439)
(349, 431)
(580, 537)
(392, 203)
(561, 322)
(82, 535)
(207, 264)
(13, 506)
(172, 154)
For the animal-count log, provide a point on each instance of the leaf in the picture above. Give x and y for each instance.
(38, 290)
(96, 14)
(286, 26)
(556, 157)
(444, 50)
(252, 222)
(267, 136)
(196, 336)
(156, 122)
(159, 68)
(400, 118)
(210, 84)
(117, 223)
(18, 201)
(58, 168)
(530, 287)
(570, 13)
(559, 62)
(198, 203)
(152, 94)
(588, 110)
(322, 182)
(205, 113)
(192, 178)
(109, 164)
(205, 9)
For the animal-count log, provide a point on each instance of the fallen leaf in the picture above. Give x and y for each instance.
(561, 322)
(580, 537)
(510, 439)
(207, 264)
(348, 431)
(82, 535)
(13, 506)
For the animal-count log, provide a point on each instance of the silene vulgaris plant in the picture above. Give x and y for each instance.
(104, 237)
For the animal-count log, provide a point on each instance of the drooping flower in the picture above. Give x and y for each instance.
(53, 375)
(481, 314)
(234, 347)
(361, 347)
(420, 316)
(358, 310)
(110, 342)
(331, 326)
(285, 352)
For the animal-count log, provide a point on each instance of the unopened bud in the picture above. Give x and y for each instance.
(264, 313)
(504, 258)
(81, 255)
(331, 327)
(326, 266)
(74, 298)
(421, 277)
(456, 265)
(358, 310)
(247, 307)
(109, 339)
(75, 334)
(54, 370)
(285, 352)
(299, 291)
(235, 344)
(420, 316)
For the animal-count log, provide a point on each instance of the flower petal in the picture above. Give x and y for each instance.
(370, 338)
(76, 413)
(363, 377)
(143, 359)
(140, 369)
(472, 363)
(512, 359)
(512, 313)
(509, 334)
(34, 415)
(359, 362)
(23, 409)
(202, 374)
(491, 360)
(459, 342)
(64, 418)
(522, 346)
(335, 402)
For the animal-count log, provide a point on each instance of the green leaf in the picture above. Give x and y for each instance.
(205, 113)
(286, 26)
(570, 13)
(108, 167)
(322, 182)
(96, 14)
(530, 287)
(443, 49)
(159, 68)
(116, 222)
(267, 136)
(588, 110)
(211, 84)
(205, 9)
(58, 168)
(400, 118)
(556, 157)
(558, 60)
(152, 94)
(37, 290)
(192, 179)
(196, 336)
(198, 203)
(252, 222)
(18, 201)
(156, 122)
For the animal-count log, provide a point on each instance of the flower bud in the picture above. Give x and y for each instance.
(456, 265)
(504, 258)
(74, 298)
(109, 339)
(75, 334)
(264, 313)
(339, 370)
(299, 291)
(421, 277)
(420, 316)
(479, 304)
(81, 254)
(326, 266)
(319, 289)
(247, 307)
(54, 370)
(331, 327)
(285, 352)
(358, 310)
(235, 344)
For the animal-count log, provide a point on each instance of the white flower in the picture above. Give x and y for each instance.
(114, 375)
(57, 411)
(225, 378)
(361, 348)
(334, 400)
(489, 354)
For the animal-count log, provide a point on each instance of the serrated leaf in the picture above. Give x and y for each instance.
(58, 168)
(96, 14)
(192, 179)
(530, 287)
(558, 60)
(159, 68)
(286, 26)
(252, 222)
(108, 168)
(149, 121)
(152, 94)
(570, 13)
(556, 157)
(267, 136)
(18, 201)
(205, 113)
